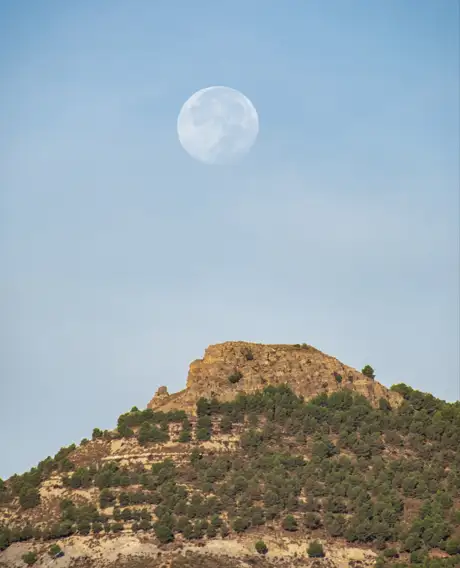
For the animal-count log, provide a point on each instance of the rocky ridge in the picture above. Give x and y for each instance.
(306, 370)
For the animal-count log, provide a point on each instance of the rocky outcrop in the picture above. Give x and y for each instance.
(232, 367)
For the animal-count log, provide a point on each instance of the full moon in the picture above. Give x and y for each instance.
(217, 125)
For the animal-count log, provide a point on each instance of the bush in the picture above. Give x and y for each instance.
(390, 553)
(84, 527)
(368, 371)
(289, 523)
(312, 521)
(338, 378)
(106, 498)
(248, 354)
(240, 524)
(453, 546)
(30, 558)
(163, 533)
(315, 550)
(97, 433)
(185, 436)
(97, 527)
(29, 497)
(261, 547)
(54, 550)
(203, 434)
(235, 377)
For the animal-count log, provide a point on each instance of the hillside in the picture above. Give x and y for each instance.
(271, 456)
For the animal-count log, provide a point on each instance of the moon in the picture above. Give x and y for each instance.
(217, 125)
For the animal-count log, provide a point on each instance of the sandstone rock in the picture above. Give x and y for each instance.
(306, 370)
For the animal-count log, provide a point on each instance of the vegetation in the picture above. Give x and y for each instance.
(388, 478)
(54, 550)
(315, 550)
(368, 371)
(235, 377)
(261, 547)
(30, 558)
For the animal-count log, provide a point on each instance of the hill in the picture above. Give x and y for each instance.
(273, 455)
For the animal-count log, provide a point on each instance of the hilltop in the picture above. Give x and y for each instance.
(236, 366)
(273, 455)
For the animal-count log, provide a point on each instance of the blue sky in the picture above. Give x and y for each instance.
(123, 258)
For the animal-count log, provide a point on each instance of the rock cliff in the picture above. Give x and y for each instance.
(232, 367)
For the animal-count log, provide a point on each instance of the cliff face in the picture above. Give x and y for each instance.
(232, 367)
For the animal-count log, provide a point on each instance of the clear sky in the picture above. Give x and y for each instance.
(122, 258)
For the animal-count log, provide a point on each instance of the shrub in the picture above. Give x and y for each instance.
(30, 558)
(453, 546)
(312, 520)
(97, 433)
(106, 498)
(248, 354)
(163, 533)
(289, 523)
(54, 550)
(368, 371)
(185, 436)
(261, 547)
(84, 527)
(315, 550)
(338, 378)
(235, 377)
(203, 434)
(29, 497)
(144, 525)
(97, 527)
(226, 424)
(240, 524)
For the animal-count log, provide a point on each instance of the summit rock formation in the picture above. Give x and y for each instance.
(237, 366)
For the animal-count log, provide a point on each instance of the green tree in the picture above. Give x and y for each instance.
(240, 524)
(453, 546)
(185, 436)
(235, 377)
(315, 550)
(54, 550)
(203, 434)
(368, 371)
(163, 533)
(106, 498)
(97, 527)
(261, 547)
(289, 523)
(97, 433)
(29, 497)
(312, 521)
(84, 527)
(30, 558)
